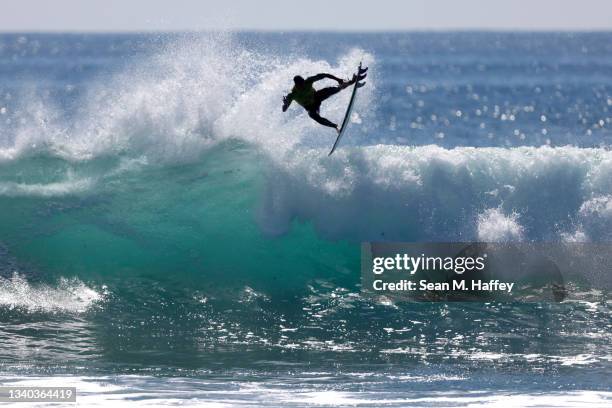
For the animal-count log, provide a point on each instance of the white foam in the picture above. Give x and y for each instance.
(69, 186)
(433, 193)
(69, 295)
(173, 106)
(494, 226)
(594, 220)
(139, 391)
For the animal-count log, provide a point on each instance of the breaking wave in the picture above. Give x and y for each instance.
(195, 137)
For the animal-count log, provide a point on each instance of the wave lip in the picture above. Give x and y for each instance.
(177, 104)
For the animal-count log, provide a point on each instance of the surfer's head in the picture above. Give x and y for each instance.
(298, 80)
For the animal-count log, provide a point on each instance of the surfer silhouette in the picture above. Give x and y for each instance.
(310, 99)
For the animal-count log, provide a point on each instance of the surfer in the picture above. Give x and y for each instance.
(310, 99)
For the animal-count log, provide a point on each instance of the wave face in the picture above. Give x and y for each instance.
(186, 144)
(151, 188)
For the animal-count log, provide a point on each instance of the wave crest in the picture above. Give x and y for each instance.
(431, 193)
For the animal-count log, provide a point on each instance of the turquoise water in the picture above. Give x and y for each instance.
(167, 235)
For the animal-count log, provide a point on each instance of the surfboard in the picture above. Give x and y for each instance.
(349, 109)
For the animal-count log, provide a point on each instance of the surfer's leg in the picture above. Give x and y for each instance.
(325, 93)
(317, 118)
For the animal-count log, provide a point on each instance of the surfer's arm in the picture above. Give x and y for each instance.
(319, 77)
(287, 101)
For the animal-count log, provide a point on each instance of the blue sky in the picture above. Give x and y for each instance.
(130, 15)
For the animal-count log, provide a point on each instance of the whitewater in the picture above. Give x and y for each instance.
(160, 213)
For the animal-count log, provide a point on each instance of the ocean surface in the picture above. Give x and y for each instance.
(169, 236)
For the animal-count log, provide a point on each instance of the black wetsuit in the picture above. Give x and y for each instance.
(310, 98)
